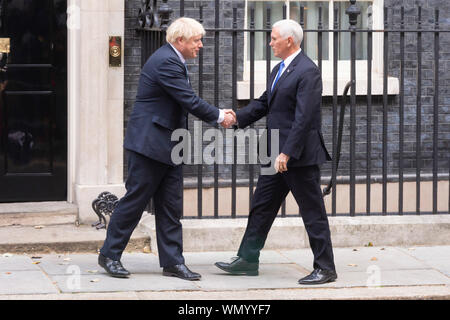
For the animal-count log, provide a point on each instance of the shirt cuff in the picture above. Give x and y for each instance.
(221, 116)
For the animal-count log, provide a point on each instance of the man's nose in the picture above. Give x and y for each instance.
(200, 45)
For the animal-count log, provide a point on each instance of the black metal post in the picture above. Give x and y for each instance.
(234, 107)
(436, 112)
(419, 110)
(352, 12)
(385, 107)
(401, 111)
(200, 154)
(319, 40)
(369, 118)
(182, 8)
(268, 52)
(252, 97)
(216, 103)
(302, 24)
(335, 106)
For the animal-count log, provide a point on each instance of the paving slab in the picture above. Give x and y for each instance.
(358, 275)
(428, 253)
(437, 258)
(209, 258)
(17, 263)
(413, 277)
(102, 282)
(359, 259)
(67, 264)
(442, 266)
(270, 276)
(380, 278)
(87, 264)
(141, 263)
(126, 295)
(26, 282)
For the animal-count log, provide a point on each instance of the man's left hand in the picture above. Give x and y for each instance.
(281, 162)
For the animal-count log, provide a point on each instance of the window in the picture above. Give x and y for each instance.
(310, 42)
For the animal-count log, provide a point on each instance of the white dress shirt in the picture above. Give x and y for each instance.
(221, 112)
(288, 61)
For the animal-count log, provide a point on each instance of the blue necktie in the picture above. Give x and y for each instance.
(278, 74)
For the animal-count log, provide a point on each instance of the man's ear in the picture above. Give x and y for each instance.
(180, 41)
(290, 41)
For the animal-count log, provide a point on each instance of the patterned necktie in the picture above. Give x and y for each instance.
(278, 74)
(187, 73)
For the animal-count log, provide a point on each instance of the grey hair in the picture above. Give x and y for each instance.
(289, 28)
(184, 27)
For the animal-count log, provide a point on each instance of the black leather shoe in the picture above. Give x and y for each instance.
(181, 271)
(319, 276)
(113, 267)
(239, 266)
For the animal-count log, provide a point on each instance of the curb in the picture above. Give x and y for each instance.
(290, 233)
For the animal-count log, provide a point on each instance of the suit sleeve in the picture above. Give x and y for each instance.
(254, 111)
(308, 97)
(172, 77)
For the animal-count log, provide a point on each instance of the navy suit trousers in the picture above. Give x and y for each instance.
(149, 178)
(271, 190)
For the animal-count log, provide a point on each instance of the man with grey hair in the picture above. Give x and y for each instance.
(163, 101)
(292, 104)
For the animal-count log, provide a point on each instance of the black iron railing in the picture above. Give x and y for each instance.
(153, 37)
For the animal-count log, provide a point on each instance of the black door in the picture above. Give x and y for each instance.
(33, 100)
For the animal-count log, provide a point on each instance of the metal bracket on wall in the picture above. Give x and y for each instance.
(147, 17)
(103, 205)
(152, 17)
(337, 152)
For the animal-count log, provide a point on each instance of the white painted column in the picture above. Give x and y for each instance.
(95, 105)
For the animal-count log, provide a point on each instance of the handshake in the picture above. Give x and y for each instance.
(229, 119)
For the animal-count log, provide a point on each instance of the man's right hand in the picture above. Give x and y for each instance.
(229, 119)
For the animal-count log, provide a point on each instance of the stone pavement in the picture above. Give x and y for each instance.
(363, 273)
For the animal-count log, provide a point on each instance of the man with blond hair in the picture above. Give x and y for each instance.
(292, 104)
(163, 101)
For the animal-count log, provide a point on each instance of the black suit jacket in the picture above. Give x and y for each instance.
(293, 107)
(163, 100)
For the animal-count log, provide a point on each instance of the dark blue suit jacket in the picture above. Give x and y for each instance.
(293, 107)
(163, 100)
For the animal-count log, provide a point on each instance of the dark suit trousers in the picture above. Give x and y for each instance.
(271, 190)
(148, 178)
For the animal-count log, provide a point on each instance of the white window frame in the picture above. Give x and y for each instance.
(243, 87)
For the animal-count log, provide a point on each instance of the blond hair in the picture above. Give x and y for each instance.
(185, 28)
